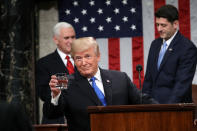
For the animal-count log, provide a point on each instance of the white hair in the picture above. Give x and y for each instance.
(58, 26)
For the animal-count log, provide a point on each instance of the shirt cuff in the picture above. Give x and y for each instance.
(54, 100)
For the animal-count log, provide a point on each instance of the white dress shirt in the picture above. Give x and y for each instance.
(63, 57)
(169, 41)
(98, 81)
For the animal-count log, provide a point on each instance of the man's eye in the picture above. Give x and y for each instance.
(163, 25)
(73, 37)
(78, 58)
(87, 56)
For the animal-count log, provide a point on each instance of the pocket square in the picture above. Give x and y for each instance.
(170, 49)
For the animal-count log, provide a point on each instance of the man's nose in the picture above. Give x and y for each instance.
(84, 61)
(159, 28)
(70, 40)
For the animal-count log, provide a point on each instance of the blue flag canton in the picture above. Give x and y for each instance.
(103, 18)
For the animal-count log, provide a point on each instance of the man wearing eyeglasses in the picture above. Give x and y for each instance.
(90, 86)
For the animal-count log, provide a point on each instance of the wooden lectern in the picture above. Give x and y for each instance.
(157, 117)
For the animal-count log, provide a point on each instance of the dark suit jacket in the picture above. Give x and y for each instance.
(13, 118)
(45, 68)
(118, 88)
(173, 81)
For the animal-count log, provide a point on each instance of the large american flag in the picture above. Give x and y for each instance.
(124, 29)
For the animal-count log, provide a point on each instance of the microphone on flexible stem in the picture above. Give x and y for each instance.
(139, 69)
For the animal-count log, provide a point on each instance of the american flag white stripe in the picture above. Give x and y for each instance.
(148, 36)
(126, 56)
(103, 46)
(193, 17)
(172, 2)
(148, 27)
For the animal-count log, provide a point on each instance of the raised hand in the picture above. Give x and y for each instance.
(53, 82)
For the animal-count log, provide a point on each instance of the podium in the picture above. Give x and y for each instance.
(155, 117)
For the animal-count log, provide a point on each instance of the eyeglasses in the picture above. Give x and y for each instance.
(80, 58)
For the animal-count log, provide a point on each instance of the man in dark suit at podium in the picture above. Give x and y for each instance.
(171, 62)
(90, 86)
(56, 62)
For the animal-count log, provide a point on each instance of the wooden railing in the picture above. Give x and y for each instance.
(194, 93)
(50, 127)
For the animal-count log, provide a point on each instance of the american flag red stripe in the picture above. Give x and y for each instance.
(184, 17)
(157, 5)
(138, 58)
(114, 53)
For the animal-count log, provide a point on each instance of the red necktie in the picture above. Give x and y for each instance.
(69, 65)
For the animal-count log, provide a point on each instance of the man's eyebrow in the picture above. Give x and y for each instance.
(69, 36)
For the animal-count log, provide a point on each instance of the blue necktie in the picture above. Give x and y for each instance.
(161, 54)
(98, 91)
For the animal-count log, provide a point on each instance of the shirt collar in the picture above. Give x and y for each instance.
(170, 40)
(97, 75)
(62, 54)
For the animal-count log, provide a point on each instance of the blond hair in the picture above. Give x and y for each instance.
(82, 44)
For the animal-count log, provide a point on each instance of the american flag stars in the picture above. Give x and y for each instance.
(132, 10)
(125, 19)
(76, 20)
(67, 12)
(75, 3)
(100, 11)
(84, 12)
(108, 19)
(92, 20)
(91, 3)
(84, 29)
(103, 18)
(100, 28)
(133, 27)
(124, 2)
(108, 2)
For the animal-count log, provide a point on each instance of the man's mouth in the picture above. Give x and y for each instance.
(85, 69)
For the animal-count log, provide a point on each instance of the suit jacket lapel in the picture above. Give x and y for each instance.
(165, 58)
(107, 85)
(169, 50)
(58, 60)
(157, 50)
(86, 88)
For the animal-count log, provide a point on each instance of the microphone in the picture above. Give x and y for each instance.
(139, 69)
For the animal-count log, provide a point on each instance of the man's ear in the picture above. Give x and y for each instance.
(176, 24)
(55, 40)
(99, 56)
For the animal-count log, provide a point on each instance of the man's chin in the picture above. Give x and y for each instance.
(85, 74)
(162, 36)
